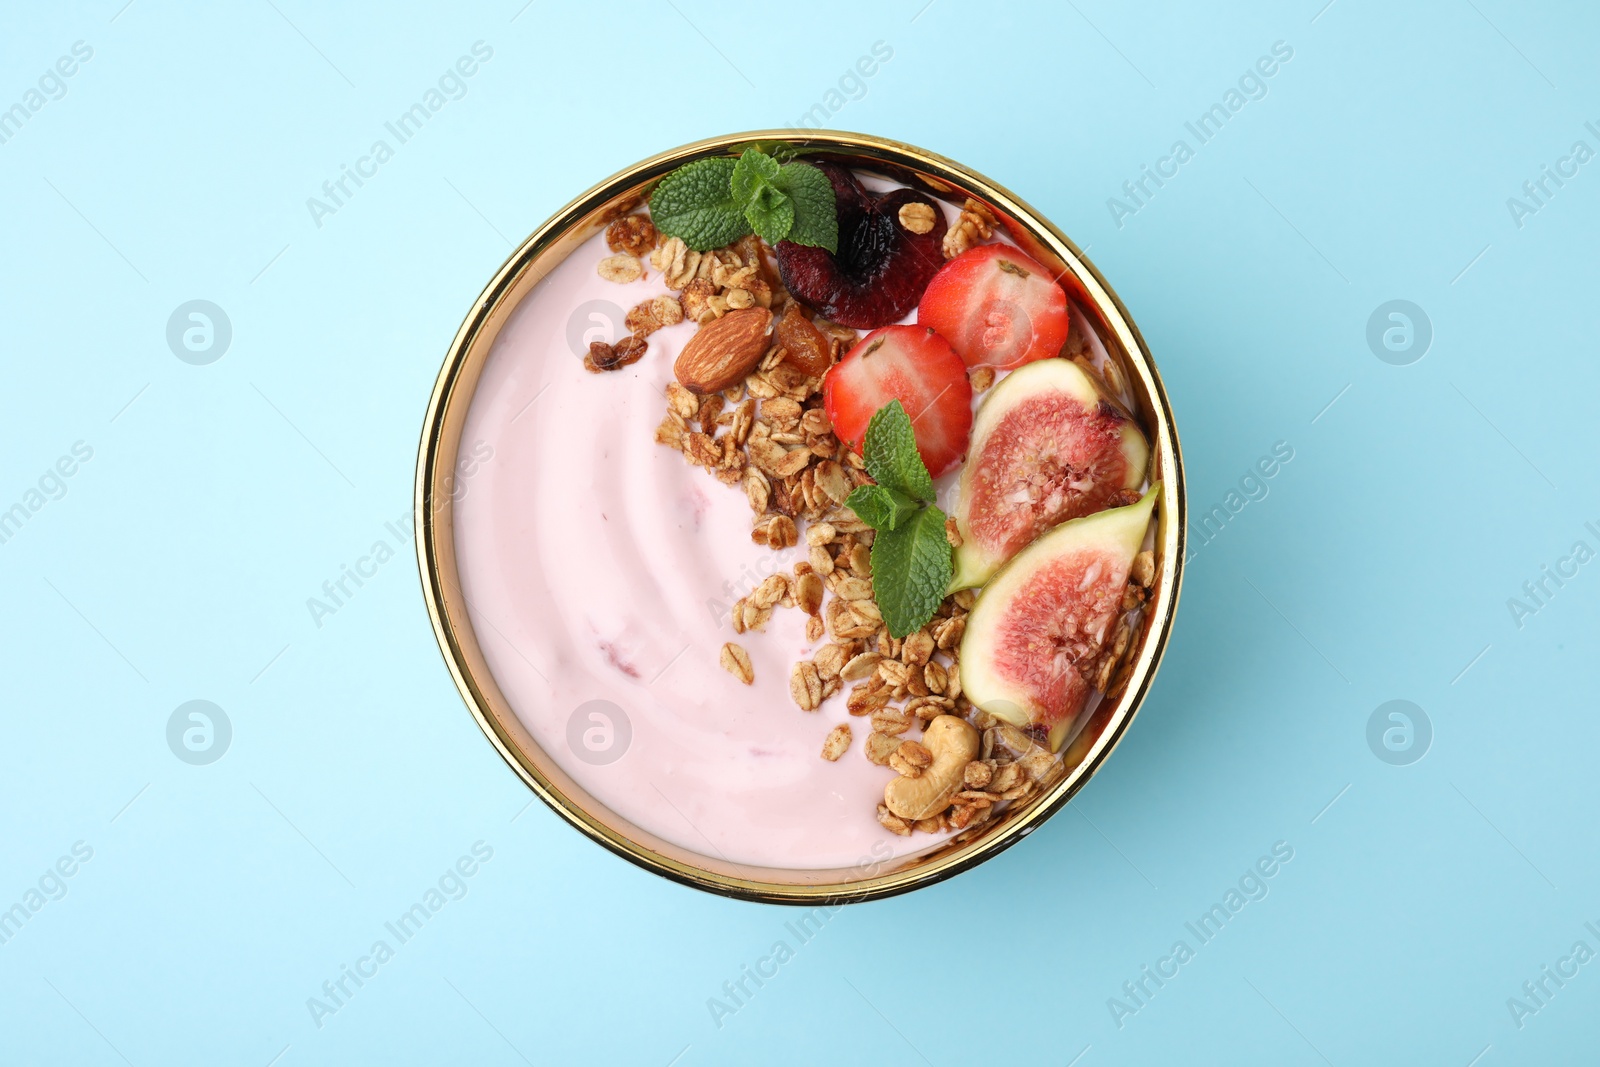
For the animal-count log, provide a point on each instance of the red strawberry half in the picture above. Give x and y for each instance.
(996, 307)
(915, 366)
(881, 268)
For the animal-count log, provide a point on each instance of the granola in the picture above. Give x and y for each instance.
(976, 225)
(917, 217)
(634, 234)
(648, 317)
(837, 742)
(621, 268)
(736, 661)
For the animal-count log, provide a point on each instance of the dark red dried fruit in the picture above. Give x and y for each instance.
(604, 357)
(881, 268)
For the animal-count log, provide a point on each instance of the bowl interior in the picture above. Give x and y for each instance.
(452, 396)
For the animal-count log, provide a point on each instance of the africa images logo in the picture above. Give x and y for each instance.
(1399, 332)
(1399, 733)
(199, 732)
(199, 332)
(599, 732)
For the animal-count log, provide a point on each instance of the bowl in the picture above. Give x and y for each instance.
(436, 546)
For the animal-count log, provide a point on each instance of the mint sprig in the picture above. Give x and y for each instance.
(714, 202)
(912, 561)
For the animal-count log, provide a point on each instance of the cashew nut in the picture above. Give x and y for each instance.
(954, 743)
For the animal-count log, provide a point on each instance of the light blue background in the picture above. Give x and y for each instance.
(219, 498)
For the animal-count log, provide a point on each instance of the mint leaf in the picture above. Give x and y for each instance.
(911, 568)
(816, 218)
(696, 203)
(714, 202)
(768, 209)
(912, 562)
(753, 170)
(891, 453)
(771, 214)
(881, 508)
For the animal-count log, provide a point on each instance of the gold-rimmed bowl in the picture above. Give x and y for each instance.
(436, 548)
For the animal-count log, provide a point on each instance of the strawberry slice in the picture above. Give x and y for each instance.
(996, 307)
(917, 367)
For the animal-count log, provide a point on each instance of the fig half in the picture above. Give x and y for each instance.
(1046, 446)
(1040, 627)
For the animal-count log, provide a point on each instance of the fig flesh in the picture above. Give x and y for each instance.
(1040, 628)
(1046, 446)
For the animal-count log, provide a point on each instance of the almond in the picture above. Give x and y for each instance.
(724, 351)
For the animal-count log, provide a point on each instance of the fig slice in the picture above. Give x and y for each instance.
(1040, 627)
(1046, 446)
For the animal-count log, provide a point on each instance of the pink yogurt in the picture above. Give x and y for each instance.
(600, 566)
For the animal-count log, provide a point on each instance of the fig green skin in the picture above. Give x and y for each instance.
(1112, 537)
(976, 560)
